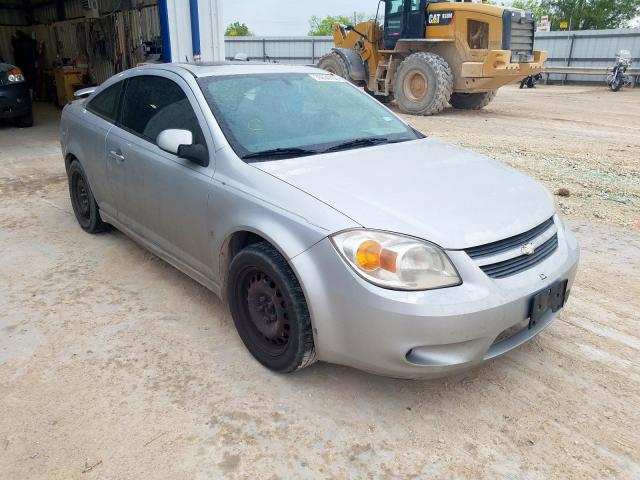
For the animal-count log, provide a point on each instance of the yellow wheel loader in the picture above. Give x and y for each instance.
(431, 53)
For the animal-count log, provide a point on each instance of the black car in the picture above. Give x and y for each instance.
(15, 100)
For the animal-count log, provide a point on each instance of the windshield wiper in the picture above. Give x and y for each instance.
(360, 142)
(280, 152)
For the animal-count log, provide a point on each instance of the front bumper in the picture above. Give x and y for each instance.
(424, 334)
(497, 70)
(15, 100)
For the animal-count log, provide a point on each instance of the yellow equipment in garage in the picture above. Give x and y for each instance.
(65, 78)
(431, 53)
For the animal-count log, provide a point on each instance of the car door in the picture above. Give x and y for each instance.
(159, 196)
(99, 117)
(416, 20)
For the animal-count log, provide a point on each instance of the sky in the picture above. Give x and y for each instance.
(289, 17)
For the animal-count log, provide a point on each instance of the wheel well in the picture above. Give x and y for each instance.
(68, 159)
(240, 240)
(234, 244)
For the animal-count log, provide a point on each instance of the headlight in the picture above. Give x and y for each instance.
(15, 75)
(396, 261)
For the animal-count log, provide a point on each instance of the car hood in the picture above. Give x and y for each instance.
(424, 188)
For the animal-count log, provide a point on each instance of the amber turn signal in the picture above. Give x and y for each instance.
(371, 255)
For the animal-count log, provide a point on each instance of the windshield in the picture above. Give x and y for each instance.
(294, 114)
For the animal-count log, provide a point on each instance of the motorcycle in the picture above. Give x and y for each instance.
(618, 77)
(530, 81)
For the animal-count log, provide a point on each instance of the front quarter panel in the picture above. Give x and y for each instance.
(245, 198)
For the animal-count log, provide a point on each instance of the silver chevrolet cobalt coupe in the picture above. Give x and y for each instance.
(334, 230)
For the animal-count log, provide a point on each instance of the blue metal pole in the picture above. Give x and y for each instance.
(164, 30)
(195, 29)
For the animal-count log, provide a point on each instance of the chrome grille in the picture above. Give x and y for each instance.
(509, 243)
(522, 262)
(505, 258)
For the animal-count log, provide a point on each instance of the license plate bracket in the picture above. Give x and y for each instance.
(551, 298)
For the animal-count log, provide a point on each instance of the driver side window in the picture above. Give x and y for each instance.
(395, 6)
(152, 104)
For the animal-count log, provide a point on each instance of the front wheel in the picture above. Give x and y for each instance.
(269, 309)
(423, 84)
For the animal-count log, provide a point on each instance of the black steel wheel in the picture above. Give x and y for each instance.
(84, 204)
(269, 309)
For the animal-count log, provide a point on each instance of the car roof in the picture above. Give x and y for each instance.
(208, 69)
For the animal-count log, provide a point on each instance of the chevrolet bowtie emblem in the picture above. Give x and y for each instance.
(528, 249)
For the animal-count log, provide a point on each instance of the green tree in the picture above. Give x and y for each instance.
(537, 7)
(324, 26)
(237, 29)
(583, 14)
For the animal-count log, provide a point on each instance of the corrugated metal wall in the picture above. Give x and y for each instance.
(6, 49)
(592, 48)
(94, 42)
(288, 50)
(12, 17)
(589, 48)
(73, 9)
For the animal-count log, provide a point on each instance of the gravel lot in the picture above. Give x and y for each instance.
(114, 365)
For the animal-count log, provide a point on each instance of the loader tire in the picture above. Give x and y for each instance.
(423, 84)
(472, 101)
(334, 63)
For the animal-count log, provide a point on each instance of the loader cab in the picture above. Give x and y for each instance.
(403, 19)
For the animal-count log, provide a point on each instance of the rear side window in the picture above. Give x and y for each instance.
(105, 103)
(152, 104)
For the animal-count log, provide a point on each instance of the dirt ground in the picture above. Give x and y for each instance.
(114, 365)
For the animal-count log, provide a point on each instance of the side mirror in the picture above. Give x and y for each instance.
(180, 143)
(84, 92)
(171, 139)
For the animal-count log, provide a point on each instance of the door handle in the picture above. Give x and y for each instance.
(117, 156)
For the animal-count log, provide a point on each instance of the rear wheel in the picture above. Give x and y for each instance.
(334, 63)
(269, 309)
(83, 202)
(423, 84)
(472, 101)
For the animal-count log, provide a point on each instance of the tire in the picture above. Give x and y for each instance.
(277, 333)
(423, 84)
(616, 84)
(472, 101)
(334, 63)
(24, 121)
(83, 202)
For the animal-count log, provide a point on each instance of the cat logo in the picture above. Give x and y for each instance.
(440, 18)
